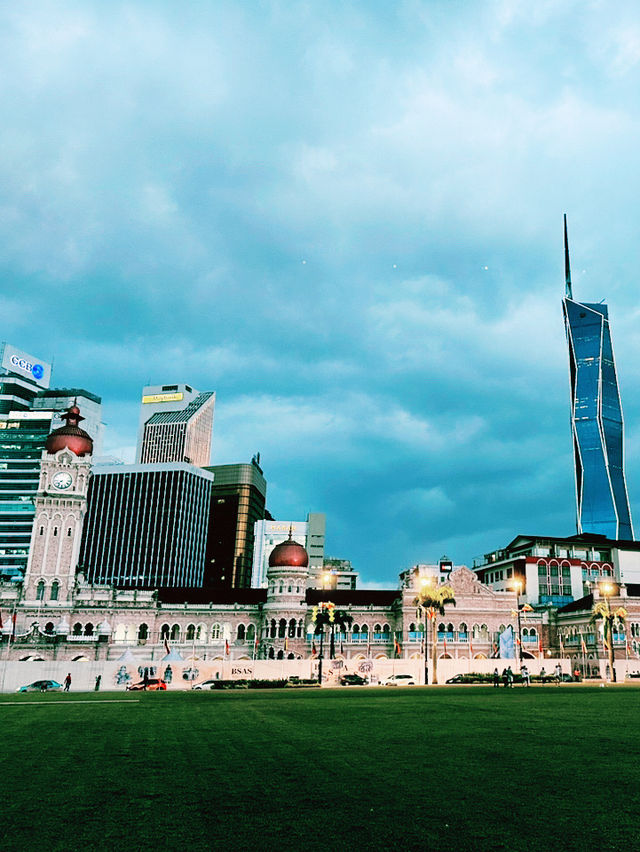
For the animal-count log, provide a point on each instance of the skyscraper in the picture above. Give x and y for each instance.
(596, 417)
(175, 425)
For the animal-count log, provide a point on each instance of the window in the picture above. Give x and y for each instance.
(55, 530)
(69, 531)
(40, 591)
(143, 632)
(41, 530)
(88, 629)
(55, 586)
(77, 629)
(241, 633)
(191, 632)
(282, 628)
(164, 631)
(251, 633)
(215, 632)
(175, 632)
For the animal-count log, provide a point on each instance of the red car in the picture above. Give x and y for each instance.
(153, 684)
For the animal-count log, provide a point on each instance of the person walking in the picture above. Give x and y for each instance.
(526, 680)
(505, 678)
(496, 677)
(558, 674)
(543, 675)
(67, 682)
(510, 677)
(96, 688)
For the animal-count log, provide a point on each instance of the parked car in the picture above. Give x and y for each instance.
(152, 685)
(41, 686)
(399, 680)
(206, 684)
(353, 680)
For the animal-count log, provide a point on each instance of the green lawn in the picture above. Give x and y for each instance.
(451, 768)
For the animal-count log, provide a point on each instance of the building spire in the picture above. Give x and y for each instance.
(567, 268)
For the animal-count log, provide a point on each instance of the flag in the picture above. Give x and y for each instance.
(527, 608)
(1, 624)
(444, 643)
(495, 650)
(286, 643)
(314, 650)
(396, 646)
(226, 647)
(471, 649)
(583, 645)
(13, 627)
(166, 645)
(540, 644)
(561, 645)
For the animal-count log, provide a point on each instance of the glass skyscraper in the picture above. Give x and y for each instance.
(596, 418)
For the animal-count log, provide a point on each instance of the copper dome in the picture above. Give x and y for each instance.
(70, 436)
(288, 554)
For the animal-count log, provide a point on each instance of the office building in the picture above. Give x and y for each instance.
(596, 418)
(268, 534)
(22, 376)
(176, 423)
(146, 525)
(239, 499)
(334, 574)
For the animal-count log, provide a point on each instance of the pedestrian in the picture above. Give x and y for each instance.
(510, 678)
(576, 674)
(558, 674)
(145, 679)
(96, 688)
(67, 682)
(526, 680)
(496, 677)
(543, 675)
(505, 678)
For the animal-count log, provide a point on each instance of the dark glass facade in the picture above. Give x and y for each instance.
(146, 526)
(597, 424)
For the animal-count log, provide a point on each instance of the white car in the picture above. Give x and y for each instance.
(205, 684)
(399, 680)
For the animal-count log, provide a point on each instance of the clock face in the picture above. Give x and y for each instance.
(62, 480)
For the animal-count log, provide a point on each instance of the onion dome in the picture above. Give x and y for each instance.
(63, 628)
(103, 629)
(288, 554)
(70, 436)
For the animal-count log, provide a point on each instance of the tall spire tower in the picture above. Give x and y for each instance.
(596, 417)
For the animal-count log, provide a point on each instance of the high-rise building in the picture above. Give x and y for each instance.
(21, 377)
(176, 423)
(239, 498)
(147, 525)
(268, 534)
(596, 418)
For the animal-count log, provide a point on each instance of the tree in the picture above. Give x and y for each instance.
(433, 598)
(323, 615)
(610, 619)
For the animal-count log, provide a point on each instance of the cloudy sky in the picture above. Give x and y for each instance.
(346, 219)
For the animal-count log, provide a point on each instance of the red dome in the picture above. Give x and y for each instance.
(288, 554)
(70, 436)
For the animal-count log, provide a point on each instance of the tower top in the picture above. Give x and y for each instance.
(70, 436)
(567, 268)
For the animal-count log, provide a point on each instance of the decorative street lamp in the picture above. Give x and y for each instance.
(609, 620)
(517, 587)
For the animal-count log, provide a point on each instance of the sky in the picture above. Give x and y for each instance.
(346, 219)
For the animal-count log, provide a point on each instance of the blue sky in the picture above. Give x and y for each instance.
(346, 219)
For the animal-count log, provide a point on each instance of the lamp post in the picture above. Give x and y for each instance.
(607, 589)
(425, 583)
(517, 586)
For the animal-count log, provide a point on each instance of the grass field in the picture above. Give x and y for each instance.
(359, 768)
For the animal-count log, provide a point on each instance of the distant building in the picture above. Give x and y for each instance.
(268, 534)
(22, 376)
(596, 418)
(334, 574)
(238, 501)
(146, 525)
(176, 423)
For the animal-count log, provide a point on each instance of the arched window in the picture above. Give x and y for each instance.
(365, 632)
(300, 629)
(412, 628)
(215, 632)
(292, 628)
(476, 631)
(450, 628)
(143, 632)
(377, 628)
(175, 632)
(55, 587)
(55, 530)
(69, 531)
(164, 631)
(241, 633)
(40, 591)
(41, 530)
(191, 632)
(77, 629)
(281, 654)
(201, 632)
(282, 628)
(251, 633)
(48, 628)
(274, 628)
(88, 629)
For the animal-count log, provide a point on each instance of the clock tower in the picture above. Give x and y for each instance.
(60, 504)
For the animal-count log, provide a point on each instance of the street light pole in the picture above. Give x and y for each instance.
(606, 590)
(518, 587)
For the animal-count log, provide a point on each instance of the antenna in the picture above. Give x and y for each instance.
(567, 268)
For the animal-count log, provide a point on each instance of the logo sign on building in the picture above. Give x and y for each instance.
(163, 397)
(23, 364)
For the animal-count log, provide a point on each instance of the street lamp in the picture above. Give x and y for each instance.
(425, 583)
(607, 590)
(517, 587)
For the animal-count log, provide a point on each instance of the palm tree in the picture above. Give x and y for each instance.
(610, 619)
(433, 598)
(326, 614)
